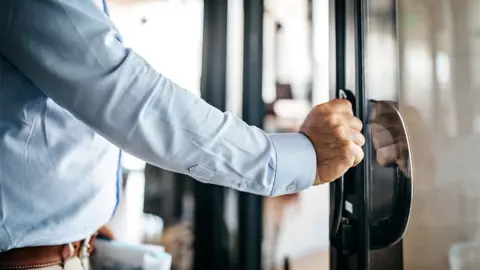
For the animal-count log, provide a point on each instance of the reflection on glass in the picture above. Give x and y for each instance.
(390, 162)
(389, 136)
(391, 176)
(350, 44)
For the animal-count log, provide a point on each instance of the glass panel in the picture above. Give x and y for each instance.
(296, 226)
(381, 65)
(391, 183)
(350, 43)
(157, 207)
(439, 50)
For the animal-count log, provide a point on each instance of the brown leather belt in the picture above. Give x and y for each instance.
(44, 256)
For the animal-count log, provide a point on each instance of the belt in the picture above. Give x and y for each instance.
(44, 256)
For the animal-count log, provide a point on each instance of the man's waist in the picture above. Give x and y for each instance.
(58, 228)
(45, 256)
(65, 208)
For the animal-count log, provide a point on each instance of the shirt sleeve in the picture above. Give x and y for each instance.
(69, 49)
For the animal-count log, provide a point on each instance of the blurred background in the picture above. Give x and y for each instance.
(269, 62)
(170, 35)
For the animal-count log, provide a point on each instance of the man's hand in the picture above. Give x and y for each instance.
(337, 138)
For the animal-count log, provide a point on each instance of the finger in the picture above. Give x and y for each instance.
(353, 122)
(339, 106)
(357, 153)
(357, 137)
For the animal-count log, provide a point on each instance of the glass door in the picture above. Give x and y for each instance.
(439, 49)
(409, 69)
(390, 158)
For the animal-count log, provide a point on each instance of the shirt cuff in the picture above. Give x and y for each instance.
(296, 163)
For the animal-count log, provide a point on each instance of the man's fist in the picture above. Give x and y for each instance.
(337, 138)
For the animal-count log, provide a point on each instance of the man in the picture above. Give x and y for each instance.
(71, 94)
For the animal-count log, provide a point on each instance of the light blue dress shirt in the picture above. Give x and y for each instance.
(71, 94)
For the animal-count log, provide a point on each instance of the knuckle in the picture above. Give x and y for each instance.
(361, 154)
(357, 122)
(362, 139)
(344, 149)
(347, 159)
(339, 132)
(321, 108)
(344, 103)
(331, 119)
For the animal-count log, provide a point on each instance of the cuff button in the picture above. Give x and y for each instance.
(241, 185)
(292, 187)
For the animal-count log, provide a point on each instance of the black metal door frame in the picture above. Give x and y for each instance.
(253, 112)
(350, 240)
(363, 184)
(211, 244)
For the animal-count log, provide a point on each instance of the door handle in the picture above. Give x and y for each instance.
(392, 186)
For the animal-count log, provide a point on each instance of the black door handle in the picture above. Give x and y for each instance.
(392, 186)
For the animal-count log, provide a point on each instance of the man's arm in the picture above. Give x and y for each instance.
(69, 50)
